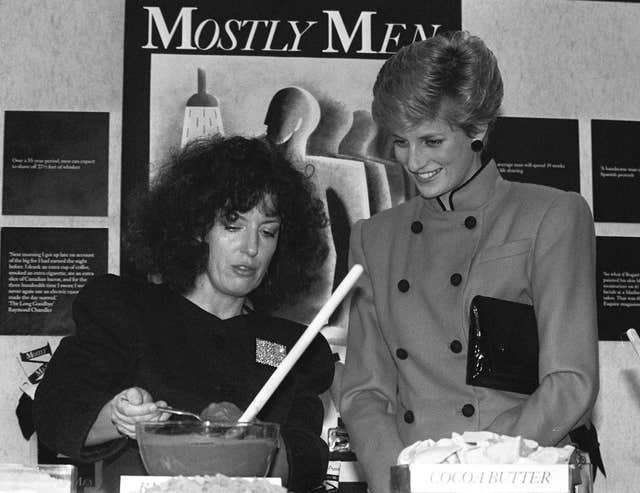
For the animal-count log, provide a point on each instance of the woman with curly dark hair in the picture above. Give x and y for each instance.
(231, 230)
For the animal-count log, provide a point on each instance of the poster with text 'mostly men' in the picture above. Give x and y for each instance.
(299, 73)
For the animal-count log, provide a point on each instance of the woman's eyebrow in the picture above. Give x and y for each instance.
(267, 219)
(272, 220)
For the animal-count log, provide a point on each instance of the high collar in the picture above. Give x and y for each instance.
(472, 194)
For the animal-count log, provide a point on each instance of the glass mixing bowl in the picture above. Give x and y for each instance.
(190, 448)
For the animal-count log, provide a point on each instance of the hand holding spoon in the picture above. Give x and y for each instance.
(179, 412)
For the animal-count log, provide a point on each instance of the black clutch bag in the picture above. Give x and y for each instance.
(503, 345)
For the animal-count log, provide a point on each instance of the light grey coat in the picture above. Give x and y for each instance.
(403, 380)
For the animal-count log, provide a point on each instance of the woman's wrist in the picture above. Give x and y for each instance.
(103, 428)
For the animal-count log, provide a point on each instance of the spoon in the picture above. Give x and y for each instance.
(234, 433)
(179, 412)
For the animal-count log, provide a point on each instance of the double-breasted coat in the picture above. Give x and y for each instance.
(424, 261)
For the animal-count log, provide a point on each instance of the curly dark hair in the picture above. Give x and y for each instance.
(219, 177)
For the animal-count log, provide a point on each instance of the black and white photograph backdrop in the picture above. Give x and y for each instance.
(301, 74)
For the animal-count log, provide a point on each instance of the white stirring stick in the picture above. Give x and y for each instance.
(635, 340)
(303, 342)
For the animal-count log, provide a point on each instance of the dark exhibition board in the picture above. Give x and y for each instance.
(616, 170)
(42, 271)
(618, 286)
(538, 150)
(55, 163)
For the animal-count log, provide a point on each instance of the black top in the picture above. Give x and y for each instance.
(136, 334)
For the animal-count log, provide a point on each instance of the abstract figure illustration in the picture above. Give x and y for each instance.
(387, 183)
(292, 116)
(202, 114)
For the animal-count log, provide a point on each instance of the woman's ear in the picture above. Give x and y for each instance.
(481, 133)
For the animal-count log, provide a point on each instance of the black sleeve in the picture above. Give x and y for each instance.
(307, 452)
(87, 370)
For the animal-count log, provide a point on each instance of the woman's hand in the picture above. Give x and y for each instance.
(132, 406)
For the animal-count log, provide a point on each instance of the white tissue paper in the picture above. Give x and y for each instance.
(483, 447)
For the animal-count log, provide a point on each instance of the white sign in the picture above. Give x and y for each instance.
(482, 478)
(138, 484)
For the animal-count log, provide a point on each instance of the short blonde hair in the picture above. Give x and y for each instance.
(452, 75)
